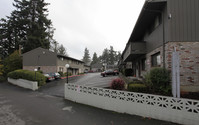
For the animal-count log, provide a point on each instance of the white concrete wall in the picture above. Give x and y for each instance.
(24, 83)
(182, 111)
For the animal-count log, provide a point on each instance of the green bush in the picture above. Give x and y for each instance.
(137, 88)
(11, 63)
(69, 73)
(2, 78)
(28, 75)
(117, 84)
(157, 81)
(40, 71)
(61, 73)
(159, 77)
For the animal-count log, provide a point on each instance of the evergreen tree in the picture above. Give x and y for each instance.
(11, 63)
(54, 46)
(62, 50)
(27, 26)
(86, 58)
(39, 28)
(105, 56)
(118, 56)
(112, 56)
(94, 59)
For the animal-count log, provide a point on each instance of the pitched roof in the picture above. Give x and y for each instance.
(58, 55)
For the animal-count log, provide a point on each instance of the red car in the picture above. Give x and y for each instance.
(109, 72)
(48, 77)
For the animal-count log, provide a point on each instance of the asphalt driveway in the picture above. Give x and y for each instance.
(56, 87)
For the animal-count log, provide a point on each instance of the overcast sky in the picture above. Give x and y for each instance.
(95, 24)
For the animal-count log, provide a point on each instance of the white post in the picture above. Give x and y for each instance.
(175, 74)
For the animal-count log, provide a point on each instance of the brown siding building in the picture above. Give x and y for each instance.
(49, 61)
(162, 26)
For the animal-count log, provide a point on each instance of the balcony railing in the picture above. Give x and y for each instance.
(133, 50)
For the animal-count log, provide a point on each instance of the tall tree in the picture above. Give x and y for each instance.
(27, 26)
(62, 50)
(112, 55)
(95, 59)
(54, 46)
(105, 56)
(86, 58)
(39, 27)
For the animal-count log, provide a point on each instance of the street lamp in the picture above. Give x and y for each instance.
(67, 66)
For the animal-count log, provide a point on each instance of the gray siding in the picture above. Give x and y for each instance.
(184, 24)
(39, 57)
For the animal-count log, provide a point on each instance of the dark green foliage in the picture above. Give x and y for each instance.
(62, 50)
(2, 79)
(137, 87)
(86, 58)
(117, 84)
(28, 75)
(27, 26)
(112, 55)
(157, 80)
(69, 74)
(11, 63)
(128, 72)
(159, 77)
(95, 59)
(61, 73)
(40, 71)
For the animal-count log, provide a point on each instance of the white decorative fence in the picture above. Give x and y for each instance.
(183, 111)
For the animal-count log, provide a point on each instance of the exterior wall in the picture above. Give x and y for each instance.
(148, 57)
(75, 66)
(189, 64)
(184, 22)
(45, 69)
(39, 57)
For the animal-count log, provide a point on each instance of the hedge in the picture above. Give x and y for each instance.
(28, 75)
(137, 88)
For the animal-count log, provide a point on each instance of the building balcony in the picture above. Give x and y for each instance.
(134, 50)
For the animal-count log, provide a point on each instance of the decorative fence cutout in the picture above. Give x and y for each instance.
(183, 111)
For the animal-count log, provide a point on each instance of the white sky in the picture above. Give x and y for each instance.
(95, 24)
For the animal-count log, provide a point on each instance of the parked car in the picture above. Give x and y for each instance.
(109, 72)
(48, 77)
(55, 75)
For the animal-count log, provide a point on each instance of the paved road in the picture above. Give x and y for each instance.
(56, 88)
(20, 106)
(95, 80)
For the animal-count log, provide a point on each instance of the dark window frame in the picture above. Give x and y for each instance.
(156, 60)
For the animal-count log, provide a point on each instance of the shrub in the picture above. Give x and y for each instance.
(69, 73)
(2, 78)
(11, 63)
(117, 84)
(40, 71)
(159, 77)
(28, 75)
(61, 73)
(137, 88)
(157, 80)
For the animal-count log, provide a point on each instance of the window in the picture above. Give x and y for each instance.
(156, 60)
(61, 69)
(143, 63)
